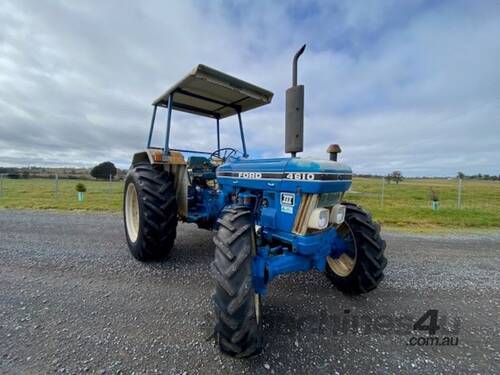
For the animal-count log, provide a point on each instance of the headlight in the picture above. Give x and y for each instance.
(338, 214)
(319, 218)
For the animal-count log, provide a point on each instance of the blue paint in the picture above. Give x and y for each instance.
(245, 155)
(204, 206)
(282, 220)
(298, 253)
(272, 189)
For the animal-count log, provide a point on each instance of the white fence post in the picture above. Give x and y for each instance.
(382, 194)
(1, 184)
(56, 187)
(459, 194)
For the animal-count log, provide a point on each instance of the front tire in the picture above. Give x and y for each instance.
(150, 212)
(238, 326)
(361, 268)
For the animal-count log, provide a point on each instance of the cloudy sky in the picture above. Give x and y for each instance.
(411, 85)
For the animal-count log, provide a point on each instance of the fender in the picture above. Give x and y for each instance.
(176, 166)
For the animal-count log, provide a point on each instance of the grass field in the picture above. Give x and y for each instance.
(40, 194)
(406, 206)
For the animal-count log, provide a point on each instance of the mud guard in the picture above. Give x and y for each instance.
(176, 165)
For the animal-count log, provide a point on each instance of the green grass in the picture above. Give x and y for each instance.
(40, 194)
(406, 206)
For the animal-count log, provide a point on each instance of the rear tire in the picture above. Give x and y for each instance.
(363, 270)
(238, 326)
(150, 212)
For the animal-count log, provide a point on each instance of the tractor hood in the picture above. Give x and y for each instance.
(287, 174)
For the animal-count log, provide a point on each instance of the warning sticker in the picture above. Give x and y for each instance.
(287, 202)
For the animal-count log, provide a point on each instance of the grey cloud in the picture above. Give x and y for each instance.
(415, 89)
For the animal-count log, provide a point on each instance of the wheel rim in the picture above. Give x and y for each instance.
(256, 297)
(345, 263)
(132, 213)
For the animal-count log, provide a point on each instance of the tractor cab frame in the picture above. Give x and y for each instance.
(210, 93)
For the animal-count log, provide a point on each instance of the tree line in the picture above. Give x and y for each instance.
(103, 171)
(478, 176)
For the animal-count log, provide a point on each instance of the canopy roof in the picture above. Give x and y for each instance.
(208, 92)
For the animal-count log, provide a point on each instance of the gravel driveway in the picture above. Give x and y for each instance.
(73, 300)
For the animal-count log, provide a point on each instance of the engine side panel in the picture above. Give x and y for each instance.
(281, 183)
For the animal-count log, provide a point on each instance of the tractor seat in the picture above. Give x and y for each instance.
(201, 167)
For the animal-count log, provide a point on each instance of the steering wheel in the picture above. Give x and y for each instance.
(222, 154)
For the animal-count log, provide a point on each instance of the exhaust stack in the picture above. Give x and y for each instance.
(294, 117)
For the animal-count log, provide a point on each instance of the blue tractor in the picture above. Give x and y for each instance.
(269, 216)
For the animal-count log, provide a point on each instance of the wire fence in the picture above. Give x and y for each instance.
(60, 193)
(372, 193)
(427, 193)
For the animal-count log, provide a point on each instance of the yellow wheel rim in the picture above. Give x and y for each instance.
(345, 263)
(132, 212)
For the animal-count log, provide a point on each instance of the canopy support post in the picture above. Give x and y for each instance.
(245, 155)
(169, 119)
(218, 136)
(152, 126)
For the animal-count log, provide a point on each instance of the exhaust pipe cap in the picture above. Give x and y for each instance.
(333, 150)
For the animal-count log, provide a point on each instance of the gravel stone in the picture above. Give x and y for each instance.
(73, 300)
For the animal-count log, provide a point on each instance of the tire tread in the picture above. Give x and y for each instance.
(238, 333)
(159, 212)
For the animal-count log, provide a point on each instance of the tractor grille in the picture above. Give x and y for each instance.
(308, 203)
